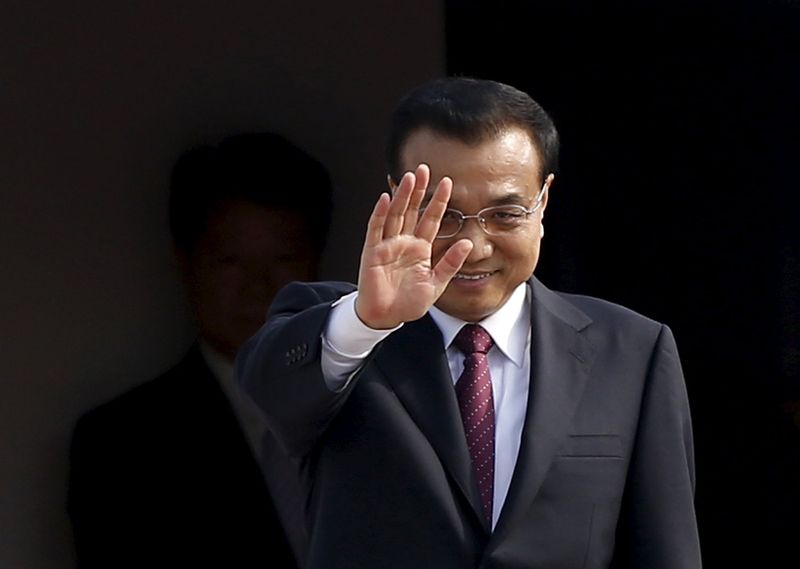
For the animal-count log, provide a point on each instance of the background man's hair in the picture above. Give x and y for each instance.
(262, 168)
(472, 111)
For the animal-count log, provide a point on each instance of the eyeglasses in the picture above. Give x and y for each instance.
(496, 220)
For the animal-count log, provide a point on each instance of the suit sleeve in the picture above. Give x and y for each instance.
(280, 366)
(657, 527)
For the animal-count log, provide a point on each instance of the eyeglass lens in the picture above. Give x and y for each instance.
(494, 220)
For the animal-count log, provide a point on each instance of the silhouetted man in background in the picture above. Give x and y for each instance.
(168, 474)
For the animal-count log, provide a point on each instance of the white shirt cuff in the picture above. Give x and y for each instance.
(346, 342)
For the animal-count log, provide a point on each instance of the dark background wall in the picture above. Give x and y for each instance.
(678, 197)
(97, 99)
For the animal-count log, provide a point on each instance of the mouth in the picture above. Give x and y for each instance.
(472, 276)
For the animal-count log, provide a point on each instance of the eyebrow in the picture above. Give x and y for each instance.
(506, 199)
(509, 199)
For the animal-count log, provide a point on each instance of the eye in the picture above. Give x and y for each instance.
(451, 215)
(505, 214)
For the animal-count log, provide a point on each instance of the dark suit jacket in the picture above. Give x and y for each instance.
(163, 476)
(605, 471)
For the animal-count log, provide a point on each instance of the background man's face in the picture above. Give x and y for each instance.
(500, 171)
(246, 255)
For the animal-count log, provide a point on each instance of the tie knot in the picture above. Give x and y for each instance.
(473, 338)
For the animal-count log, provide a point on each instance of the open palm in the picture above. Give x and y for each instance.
(397, 281)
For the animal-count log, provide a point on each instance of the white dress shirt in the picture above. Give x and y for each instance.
(346, 341)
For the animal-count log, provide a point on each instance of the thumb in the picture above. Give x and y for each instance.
(450, 263)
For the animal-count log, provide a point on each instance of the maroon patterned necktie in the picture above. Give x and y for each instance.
(474, 392)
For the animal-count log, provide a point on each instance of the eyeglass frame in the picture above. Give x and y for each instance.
(482, 220)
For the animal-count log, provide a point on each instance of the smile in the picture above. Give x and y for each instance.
(472, 277)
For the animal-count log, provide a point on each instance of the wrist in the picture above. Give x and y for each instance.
(369, 321)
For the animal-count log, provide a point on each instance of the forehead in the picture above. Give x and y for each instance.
(507, 162)
(249, 226)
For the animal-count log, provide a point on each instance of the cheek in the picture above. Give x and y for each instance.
(220, 289)
(524, 253)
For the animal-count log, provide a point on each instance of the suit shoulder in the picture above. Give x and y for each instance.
(297, 296)
(617, 327)
(604, 308)
(142, 404)
(324, 290)
(612, 315)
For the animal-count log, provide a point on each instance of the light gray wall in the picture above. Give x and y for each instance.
(95, 104)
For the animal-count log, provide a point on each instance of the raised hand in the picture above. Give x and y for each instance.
(397, 281)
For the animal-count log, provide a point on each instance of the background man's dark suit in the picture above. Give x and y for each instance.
(391, 473)
(163, 476)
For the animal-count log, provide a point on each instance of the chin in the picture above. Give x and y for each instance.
(468, 309)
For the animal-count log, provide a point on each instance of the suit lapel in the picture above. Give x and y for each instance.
(561, 358)
(414, 361)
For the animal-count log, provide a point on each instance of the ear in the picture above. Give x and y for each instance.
(548, 181)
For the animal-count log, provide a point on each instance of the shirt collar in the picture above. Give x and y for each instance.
(508, 326)
(219, 365)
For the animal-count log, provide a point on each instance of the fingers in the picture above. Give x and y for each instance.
(429, 223)
(377, 221)
(450, 263)
(403, 211)
(399, 205)
(422, 178)
(400, 212)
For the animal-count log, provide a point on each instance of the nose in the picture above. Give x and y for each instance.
(482, 246)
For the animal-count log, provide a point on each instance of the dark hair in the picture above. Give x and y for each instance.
(472, 111)
(262, 168)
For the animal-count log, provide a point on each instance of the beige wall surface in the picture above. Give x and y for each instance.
(96, 101)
